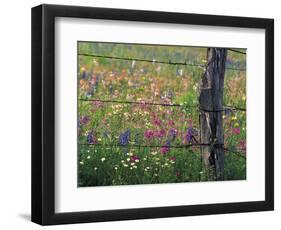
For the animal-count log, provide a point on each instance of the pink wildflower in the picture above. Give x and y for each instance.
(171, 123)
(236, 131)
(134, 158)
(148, 134)
(164, 150)
(160, 133)
(157, 121)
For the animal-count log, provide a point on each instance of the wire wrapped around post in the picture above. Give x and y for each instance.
(211, 108)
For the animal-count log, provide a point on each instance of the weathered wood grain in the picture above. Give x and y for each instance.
(211, 123)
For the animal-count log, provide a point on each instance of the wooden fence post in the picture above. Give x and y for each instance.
(211, 109)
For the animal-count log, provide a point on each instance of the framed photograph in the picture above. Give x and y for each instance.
(142, 114)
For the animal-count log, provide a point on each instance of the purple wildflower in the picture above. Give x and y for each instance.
(124, 138)
(227, 112)
(189, 134)
(170, 94)
(173, 133)
(168, 143)
(84, 74)
(90, 138)
(84, 120)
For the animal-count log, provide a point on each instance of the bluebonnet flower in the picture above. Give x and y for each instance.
(227, 112)
(90, 138)
(168, 143)
(84, 74)
(124, 138)
(84, 120)
(189, 134)
(170, 94)
(173, 133)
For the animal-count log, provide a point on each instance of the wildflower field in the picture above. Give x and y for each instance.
(138, 120)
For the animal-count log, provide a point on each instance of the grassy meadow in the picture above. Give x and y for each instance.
(137, 120)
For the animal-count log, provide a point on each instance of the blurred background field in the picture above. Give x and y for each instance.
(138, 121)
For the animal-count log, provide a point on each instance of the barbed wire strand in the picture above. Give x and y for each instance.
(196, 145)
(237, 51)
(154, 61)
(157, 146)
(227, 107)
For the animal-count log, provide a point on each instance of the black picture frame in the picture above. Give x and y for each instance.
(43, 114)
